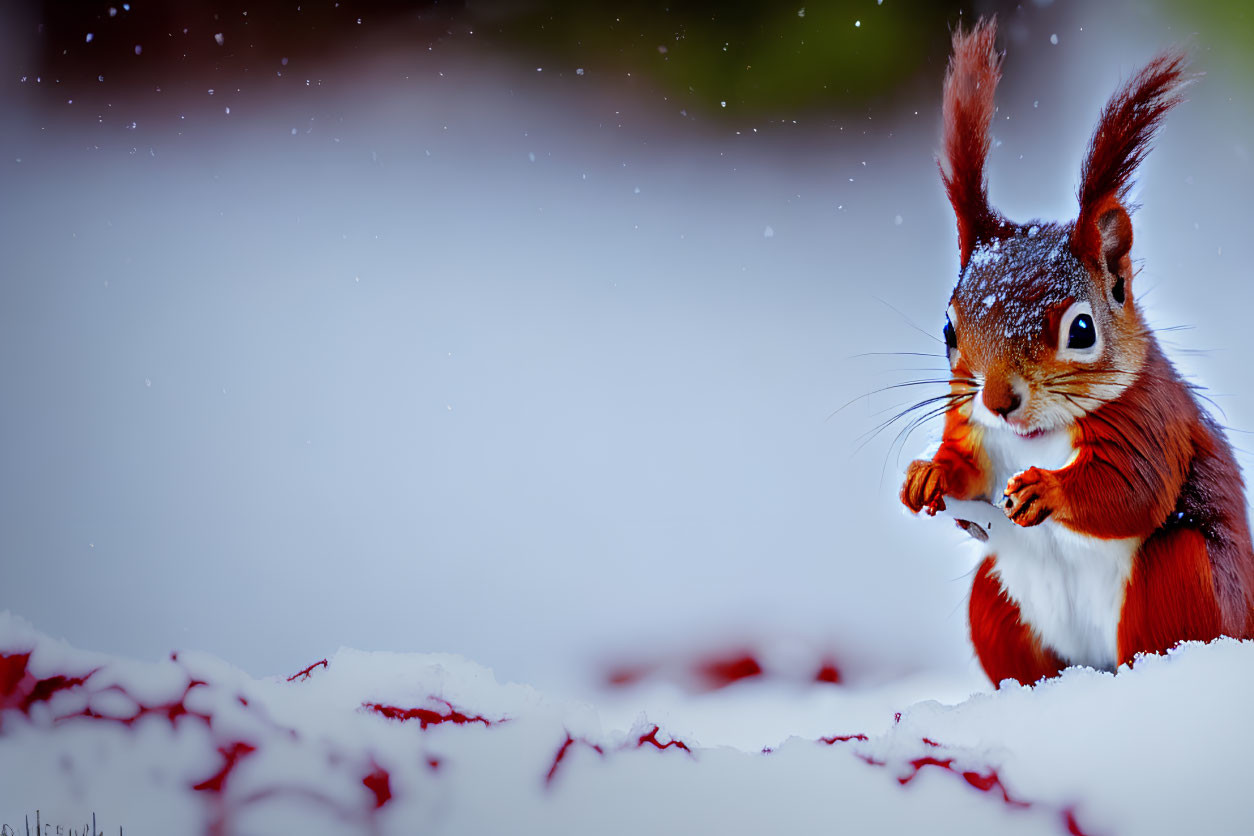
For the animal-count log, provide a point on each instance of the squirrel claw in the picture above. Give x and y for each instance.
(1030, 497)
(924, 488)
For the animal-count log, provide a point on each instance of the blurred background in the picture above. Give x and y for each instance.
(539, 332)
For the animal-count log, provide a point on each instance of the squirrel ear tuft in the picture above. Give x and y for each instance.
(970, 81)
(1123, 136)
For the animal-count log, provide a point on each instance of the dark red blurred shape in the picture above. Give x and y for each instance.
(378, 782)
(651, 738)
(828, 673)
(425, 716)
(309, 670)
(719, 673)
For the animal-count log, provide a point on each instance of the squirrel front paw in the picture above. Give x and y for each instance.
(924, 488)
(1031, 496)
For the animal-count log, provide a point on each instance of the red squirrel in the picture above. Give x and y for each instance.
(1128, 529)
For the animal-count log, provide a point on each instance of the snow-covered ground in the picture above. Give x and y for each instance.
(430, 352)
(346, 366)
(373, 742)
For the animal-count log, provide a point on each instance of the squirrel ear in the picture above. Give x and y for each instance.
(1125, 131)
(1106, 241)
(1114, 229)
(970, 81)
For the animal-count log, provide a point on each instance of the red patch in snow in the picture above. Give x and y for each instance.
(919, 763)
(719, 673)
(626, 675)
(651, 737)
(561, 753)
(232, 755)
(1073, 826)
(828, 673)
(12, 670)
(379, 783)
(434, 763)
(718, 668)
(170, 710)
(20, 689)
(43, 689)
(305, 674)
(178, 708)
(983, 781)
(988, 781)
(425, 716)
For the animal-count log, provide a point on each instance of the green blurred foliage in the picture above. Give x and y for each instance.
(1224, 26)
(768, 58)
(763, 59)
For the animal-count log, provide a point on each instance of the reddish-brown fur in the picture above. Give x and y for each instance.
(1149, 463)
(1120, 142)
(1171, 595)
(1134, 456)
(957, 469)
(1005, 646)
(970, 82)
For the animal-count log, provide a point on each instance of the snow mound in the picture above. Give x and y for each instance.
(389, 743)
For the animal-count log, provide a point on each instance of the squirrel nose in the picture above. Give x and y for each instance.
(1000, 397)
(1005, 409)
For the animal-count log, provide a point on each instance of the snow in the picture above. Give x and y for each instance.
(1023, 275)
(380, 742)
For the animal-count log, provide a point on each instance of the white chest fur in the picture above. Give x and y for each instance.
(1069, 587)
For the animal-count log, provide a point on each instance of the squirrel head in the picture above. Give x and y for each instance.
(1043, 326)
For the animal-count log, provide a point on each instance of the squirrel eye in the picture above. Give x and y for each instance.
(1082, 334)
(951, 335)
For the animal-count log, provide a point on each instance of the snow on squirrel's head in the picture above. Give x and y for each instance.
(1042, 327)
